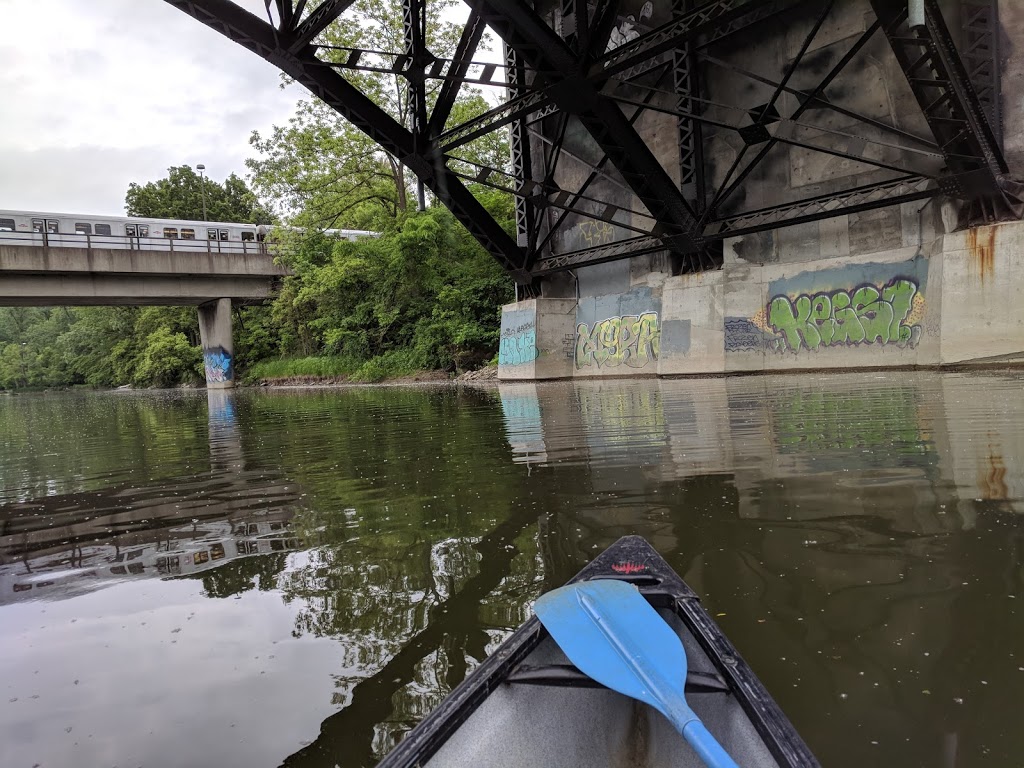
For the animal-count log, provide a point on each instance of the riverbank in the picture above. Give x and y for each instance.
(482, 375)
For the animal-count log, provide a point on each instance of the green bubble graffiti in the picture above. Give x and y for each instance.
(867, 316)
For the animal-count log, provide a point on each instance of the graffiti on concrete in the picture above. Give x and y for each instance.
(853, 305)
(219, 365)
(867, 315)
(596, 232)
(518, 341)
(632, 340)
(744, 333)
(518, 344)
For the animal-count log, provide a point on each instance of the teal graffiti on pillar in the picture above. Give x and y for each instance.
(219, 365)
(866, 315)
(518, 342)
(518, 349)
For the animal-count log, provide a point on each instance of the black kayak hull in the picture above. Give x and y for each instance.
(525, 705)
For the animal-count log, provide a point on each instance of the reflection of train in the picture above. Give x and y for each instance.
(179, 552)
(72, 230)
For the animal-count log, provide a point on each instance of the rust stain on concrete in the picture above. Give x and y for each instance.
(981, 242)
(992, 478)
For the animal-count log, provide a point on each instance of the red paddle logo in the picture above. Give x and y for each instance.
(629, 568)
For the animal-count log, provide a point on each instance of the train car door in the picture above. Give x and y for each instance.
(46, 227)
(134, 232)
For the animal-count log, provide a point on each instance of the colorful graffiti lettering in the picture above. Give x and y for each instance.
(518, 349)
(633, 340)
(867, 315)
(219, 365)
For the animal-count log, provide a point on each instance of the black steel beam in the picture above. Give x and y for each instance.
(522, 167)
(903, 189)
(711, 21)
(979, 20)
(956, 117)
(317, 21)
(621, 249)
(414, 30)
(457, 70)
(249, 31)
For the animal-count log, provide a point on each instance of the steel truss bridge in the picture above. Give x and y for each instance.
(563, 76)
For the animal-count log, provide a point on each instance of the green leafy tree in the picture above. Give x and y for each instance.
(180, 196)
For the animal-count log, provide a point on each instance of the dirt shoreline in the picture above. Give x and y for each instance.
(484, 376)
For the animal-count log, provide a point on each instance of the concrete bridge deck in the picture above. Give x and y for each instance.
(126, 271)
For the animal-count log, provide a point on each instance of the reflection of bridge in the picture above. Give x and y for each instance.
(712, 166)
(59, 546)
(103, 269)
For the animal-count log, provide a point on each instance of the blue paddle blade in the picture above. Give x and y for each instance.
(613, 635)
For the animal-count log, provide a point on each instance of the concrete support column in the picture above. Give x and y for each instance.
(218, 343)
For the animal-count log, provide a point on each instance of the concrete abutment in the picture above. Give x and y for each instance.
(938, 299)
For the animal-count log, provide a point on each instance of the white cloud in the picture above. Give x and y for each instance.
(100, 93)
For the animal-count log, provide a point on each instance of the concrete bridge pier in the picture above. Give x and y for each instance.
(218, 344)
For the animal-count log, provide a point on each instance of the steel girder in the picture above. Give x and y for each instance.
(559, 73)
(570, 74)
(955, 114)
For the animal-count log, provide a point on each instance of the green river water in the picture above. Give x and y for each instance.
(296, 578)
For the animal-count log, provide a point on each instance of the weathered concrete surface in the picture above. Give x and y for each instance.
(951, 299)
(40, 260)
(37, 276)
(100, 289)
(218, 344)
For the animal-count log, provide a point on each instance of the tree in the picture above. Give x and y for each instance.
(180, 196)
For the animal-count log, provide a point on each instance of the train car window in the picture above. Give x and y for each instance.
(223, 234)
(248, 237)
(143, 230)
(211, 234)
(130, 230)
(52, 226)
(102, 229)
(82, 228)
(37, 225)
(6, 225)
(171, 233)
(188, 234)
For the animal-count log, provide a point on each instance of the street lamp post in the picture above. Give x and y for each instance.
(202, 186)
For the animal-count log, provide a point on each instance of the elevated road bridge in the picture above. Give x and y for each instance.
(40, 269)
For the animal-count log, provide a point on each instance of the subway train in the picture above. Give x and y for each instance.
(125, 232)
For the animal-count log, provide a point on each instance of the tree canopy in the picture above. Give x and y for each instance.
(180, 196)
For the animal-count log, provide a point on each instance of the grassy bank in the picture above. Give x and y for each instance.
(391, 365)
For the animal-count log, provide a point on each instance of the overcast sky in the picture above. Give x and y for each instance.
(99, 93)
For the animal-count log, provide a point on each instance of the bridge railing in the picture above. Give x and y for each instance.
(129, 243)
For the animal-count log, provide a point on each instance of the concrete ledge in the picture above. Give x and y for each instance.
(20, 290)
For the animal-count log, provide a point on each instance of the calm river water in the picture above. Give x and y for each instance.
(297, 577)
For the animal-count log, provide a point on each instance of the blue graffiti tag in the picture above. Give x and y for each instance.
(219, 365)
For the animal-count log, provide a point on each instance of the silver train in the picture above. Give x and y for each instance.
(72, 230)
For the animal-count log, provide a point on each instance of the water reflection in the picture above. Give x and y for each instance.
(63, 545)
(861, 536)
(344, 558)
